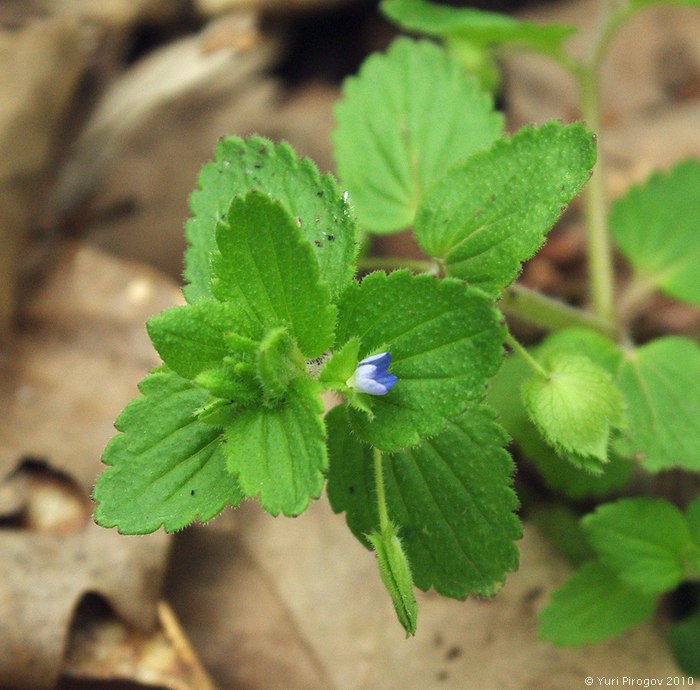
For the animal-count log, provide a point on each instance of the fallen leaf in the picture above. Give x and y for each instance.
(298, 604)
(104, 648)
(80, 350)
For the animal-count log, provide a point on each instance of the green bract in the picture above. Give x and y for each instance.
(395, 572)
(403, 121)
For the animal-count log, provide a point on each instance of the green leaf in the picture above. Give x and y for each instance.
(658, 382)
(576, 407)
(243, 165)
(644, 540)
(267, 272)
(684, 639)
(191, 339)
(479, 26)
(490, 213)
(655, 226)
(166, 468)
(445, 343)
(450, 497)
(593, 605)
(558, 472)
(279, 453)
(404, 119)
(395, 572)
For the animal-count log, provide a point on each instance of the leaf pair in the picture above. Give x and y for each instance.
(254, 412)
(645, 547)
(418, 145)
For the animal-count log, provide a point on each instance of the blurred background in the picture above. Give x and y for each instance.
(107, 111)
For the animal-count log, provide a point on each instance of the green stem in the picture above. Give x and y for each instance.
(381, 263)
(526, 356)
(550, 313)
(384, 523)
(599, 248)
(598, 245)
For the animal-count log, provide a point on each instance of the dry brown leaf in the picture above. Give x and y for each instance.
(40, 65)
(50, 558)
(79, 353)
(136, 161)
(102, 647)
(113, 13)
(219, 7)
(286, 604)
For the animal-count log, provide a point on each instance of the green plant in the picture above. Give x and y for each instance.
(416, 455)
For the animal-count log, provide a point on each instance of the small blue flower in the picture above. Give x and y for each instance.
(371, 375)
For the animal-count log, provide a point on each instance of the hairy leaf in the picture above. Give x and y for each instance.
(166, 468)
(656, 225)
(279, 453)
(191, 339)
(492, 212)
(576, 407)
(658, 384)
(591, 606)
(445, 342)
(267, 272)
(403, 121)
(559, 472)
(450, 497)
(243, 165)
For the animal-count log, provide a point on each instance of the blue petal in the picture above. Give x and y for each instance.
(387, 380)
(381, 360)
(370, 379)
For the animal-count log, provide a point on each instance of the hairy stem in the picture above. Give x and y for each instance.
(381, 496)
(550, 313)
(526, 356)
